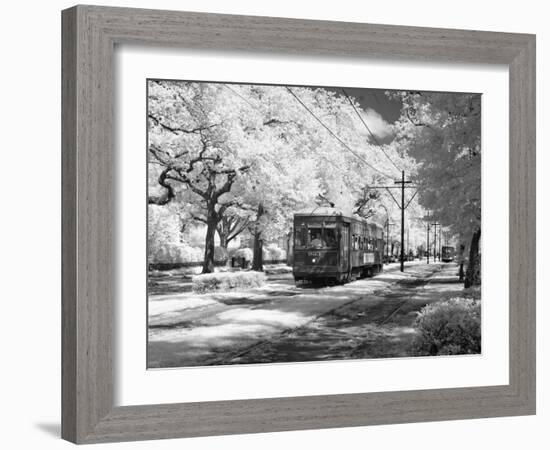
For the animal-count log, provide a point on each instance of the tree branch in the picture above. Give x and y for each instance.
(168, 195)
(179, 130)
(323, 199)
(238, 229)
(415, 123)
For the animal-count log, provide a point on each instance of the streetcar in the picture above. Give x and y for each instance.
(332, 247)
(447, 253)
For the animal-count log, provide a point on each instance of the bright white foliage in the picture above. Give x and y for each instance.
(442, 133)
(279, 155)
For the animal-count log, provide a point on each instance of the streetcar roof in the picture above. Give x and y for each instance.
(325, 211)
(320, 211)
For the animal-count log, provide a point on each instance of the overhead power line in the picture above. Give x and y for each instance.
(330, 131)
(369, 130)
(234, 91)
(241, 97)
(346, 146)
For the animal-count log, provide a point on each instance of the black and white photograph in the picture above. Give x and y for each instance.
(275, 225)
(303, 223)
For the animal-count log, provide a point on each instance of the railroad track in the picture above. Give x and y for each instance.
(392, 303)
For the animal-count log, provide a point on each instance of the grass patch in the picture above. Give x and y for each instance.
(227, 280)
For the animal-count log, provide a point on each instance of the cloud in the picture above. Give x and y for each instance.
(376, 123)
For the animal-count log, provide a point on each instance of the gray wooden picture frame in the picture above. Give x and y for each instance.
(89, 37)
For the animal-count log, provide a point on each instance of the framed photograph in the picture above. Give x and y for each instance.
(278, 224)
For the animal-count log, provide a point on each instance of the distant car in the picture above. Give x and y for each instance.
(447, 253)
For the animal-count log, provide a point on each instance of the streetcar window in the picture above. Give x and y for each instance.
(300, 236)
(321, 236)
(330, 237)
(315, 238)
(345, 234)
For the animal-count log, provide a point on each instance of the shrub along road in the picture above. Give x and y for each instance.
(369, 318)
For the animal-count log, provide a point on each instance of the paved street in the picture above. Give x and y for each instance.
(280, 322)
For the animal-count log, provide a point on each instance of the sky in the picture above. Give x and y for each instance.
(380, 111)
(377, 100)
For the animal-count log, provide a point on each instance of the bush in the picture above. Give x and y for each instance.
(220, 254)
(451, 327)
(245, 253)
(184, 254)
(227, 280)
(270, 252)
(175, 253)
(187, 254)
(273, 253)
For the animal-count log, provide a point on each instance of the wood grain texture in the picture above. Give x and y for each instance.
(89, 36)
(68, 226)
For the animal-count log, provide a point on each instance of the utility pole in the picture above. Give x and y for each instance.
(440, 249)
(387, 239)
(402, 206)
(436, 233)
(388, 235)
(402, 182)
(428, 245)
(435, 241)
(435, 225)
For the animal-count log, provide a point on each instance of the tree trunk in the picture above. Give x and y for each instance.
(228, 229)
(223, 240)
(289, 250)
(211, 223)
(257, 261)
(473, 272)
(224, 244)
(223, 230)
